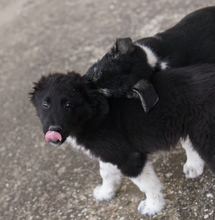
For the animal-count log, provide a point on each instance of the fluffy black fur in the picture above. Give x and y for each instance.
(191, 41)
(117, 130)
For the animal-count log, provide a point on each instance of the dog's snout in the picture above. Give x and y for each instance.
(55, 128)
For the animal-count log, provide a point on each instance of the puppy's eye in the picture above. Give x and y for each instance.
(68, 105)
(46, 105)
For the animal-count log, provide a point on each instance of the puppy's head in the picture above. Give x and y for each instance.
(64, 103)
(121, 69)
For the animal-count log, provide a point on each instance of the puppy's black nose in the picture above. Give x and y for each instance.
(55, 128)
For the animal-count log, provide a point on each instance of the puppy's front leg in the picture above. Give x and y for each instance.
(111, 180)
(194, 166)
(149, 183)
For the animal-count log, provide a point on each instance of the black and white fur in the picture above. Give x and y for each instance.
(121, 135)
(189, 42)
(127, 68)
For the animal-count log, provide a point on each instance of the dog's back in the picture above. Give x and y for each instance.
(191, 41)
(194, 83)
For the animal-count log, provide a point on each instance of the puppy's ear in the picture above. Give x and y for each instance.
(37, 87)
(122, 46)
(146, 93)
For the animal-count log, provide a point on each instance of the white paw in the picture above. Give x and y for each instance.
(103, 194)
(151, 207)
(193, 170)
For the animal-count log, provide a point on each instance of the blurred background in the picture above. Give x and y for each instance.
(39, 181)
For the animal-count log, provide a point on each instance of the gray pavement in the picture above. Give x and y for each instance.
(39, 181)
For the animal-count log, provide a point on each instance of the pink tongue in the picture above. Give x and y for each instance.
(53, 136)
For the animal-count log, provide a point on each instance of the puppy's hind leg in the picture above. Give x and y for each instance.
(194, 166)
(111, 180)
(149, 183)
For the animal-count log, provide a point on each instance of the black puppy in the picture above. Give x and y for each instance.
(121, 135)
(191, 41)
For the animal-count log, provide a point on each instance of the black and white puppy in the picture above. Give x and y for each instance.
(190, 42)
(121, 135)
(127, 68)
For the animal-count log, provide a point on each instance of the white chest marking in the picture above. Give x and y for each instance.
(72, 141)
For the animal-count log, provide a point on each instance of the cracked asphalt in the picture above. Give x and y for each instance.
(42, 182)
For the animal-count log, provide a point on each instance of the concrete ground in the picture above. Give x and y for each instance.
(39, 181)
